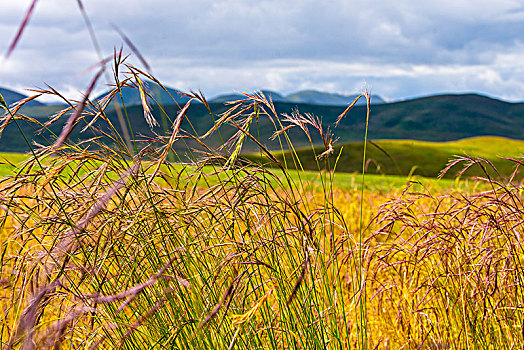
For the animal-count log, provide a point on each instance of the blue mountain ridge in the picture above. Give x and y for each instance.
(12, 97)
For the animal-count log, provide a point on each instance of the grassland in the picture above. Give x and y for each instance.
(410, 157)
(113, 240)
(119, 245)
(10, 163)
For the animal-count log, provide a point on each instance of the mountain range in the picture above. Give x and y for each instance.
(305, 97)
(131, 96)
(432, 118)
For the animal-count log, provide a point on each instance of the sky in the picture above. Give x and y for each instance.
(397, 49)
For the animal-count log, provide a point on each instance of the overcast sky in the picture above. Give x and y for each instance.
(399, 49)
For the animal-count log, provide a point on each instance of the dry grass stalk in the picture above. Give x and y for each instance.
(21, 28)
(71, 121)
(27, 321)
(67, 243)
(176, 128)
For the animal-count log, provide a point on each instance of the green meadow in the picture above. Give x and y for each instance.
(391, 163)
(410, 157)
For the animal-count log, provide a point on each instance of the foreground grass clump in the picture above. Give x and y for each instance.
(196, 265)
(121, 242)
(111, 242)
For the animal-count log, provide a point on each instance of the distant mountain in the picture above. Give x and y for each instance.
(226, 98)
(131, 95)
(274, 96)
(11, 97)
(329, 99)
(305, 97)
(433, 118)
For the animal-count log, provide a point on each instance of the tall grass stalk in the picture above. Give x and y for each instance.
(362, 317)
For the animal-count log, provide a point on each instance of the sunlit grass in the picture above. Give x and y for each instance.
(409, 157)
(11, 162)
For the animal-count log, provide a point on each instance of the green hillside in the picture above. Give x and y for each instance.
(403, 157)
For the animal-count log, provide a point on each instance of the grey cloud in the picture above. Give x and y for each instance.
(401, 48)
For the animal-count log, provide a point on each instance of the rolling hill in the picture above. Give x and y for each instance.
(404, 157)
(131, 95)
(11, 97)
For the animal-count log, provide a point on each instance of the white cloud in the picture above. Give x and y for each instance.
(400, 48)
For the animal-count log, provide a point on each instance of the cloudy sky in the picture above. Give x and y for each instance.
(399, 49)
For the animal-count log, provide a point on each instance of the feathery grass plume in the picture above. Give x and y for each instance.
(24, 23)
(8, 118)
(148, 115)
(176, 127)
(27, 322)
(232, 113)
(19, 104)
(52, 91)
(150, 76)
(346, 111)
(468, 162)
(243, 130)
(303, 121)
